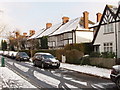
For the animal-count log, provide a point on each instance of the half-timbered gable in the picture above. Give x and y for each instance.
(107, 36)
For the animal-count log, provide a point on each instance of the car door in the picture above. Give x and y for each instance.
(38, 60)
(17, 56)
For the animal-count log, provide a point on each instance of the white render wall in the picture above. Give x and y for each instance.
(84, 36)
(118, 41)
(104, 38)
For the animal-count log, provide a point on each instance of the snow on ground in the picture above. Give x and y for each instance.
(93, 70)
(9, 79)
(47, 79)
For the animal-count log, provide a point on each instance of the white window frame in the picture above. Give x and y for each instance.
(108, 47)
(108, 28)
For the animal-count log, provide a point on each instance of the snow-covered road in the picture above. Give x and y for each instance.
(62, 78)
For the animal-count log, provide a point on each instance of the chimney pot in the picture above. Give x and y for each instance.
(99, 15)
(24, 34)
(65, 19)
(17, 34)
(85, 14)
(48, 25)
(32, 32)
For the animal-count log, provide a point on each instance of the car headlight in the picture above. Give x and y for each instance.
(58, 62)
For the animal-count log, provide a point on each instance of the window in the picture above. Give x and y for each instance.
(108, 28)
(108, 47)
(118, 26)
(70, 41)
(96, 48)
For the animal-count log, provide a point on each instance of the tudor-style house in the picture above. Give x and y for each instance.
(107, 35)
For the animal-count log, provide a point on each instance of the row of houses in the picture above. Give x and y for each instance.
(67, 32)
(104, 34)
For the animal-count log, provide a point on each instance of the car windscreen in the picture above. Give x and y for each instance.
(23, 54)
(47, 56)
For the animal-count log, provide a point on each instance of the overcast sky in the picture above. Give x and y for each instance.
(34, 14)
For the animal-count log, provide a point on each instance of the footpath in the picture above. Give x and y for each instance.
(90, 70)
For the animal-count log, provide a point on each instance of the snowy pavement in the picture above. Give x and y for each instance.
(92, 70)
(9, 79)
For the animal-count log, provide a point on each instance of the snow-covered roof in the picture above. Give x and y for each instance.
(43, 53)
(50, 30)
(96, 24)
(37, 34)
(62, 28)
(69, 26)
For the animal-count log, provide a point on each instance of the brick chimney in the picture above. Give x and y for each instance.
(17, 34)
(85, 14)
(65, 19)
(99, 15)
(24, 34)
(32, 32)
(48, 25)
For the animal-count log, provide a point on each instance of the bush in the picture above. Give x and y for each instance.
(73, 56)
(59, 53)
(95, 54)
(85, 61)
(108, 54)
(74, 46)
(86, 48)
(44, 42)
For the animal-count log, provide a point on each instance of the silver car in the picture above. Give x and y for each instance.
(115, 75)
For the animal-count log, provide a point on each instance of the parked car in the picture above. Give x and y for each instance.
(5, 53)
(115, 75)
(22, 56)
(13, 55)
(45, 60)
(10, 54)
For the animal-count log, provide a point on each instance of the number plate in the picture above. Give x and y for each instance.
(54, 64)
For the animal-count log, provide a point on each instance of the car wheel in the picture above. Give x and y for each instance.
(20, 60)
(42, 65)
(118, 82)
(34, 63)
(57, 67)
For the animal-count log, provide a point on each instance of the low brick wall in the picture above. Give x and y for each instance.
(102, 62)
